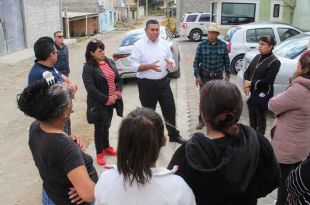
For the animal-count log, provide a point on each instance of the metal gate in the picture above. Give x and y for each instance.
(12, 37)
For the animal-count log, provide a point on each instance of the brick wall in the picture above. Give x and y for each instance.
(42, 18)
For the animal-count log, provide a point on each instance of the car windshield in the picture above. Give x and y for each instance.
(292, 48)
(131, 38)
(230, 33)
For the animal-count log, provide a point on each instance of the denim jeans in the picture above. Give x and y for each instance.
(46, 200)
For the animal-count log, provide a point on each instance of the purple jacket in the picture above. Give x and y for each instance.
(291, 140)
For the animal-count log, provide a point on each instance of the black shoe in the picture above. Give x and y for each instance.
(177, 139)
(199, 126)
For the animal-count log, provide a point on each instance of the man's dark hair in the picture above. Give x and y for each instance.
(141, 135)
(151, 21)
(43, 47)
(221, 106)
(57, 32)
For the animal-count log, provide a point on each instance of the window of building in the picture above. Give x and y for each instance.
(253, 35)
(237, 13)
(204, 18)
(214, 11)
(276, 10)
(191, 18)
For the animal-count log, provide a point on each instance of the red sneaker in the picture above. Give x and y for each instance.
(109, 151)
(100, 159)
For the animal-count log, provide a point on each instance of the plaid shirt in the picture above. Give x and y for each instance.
(214, 58)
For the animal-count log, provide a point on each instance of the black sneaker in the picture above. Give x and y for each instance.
(177, 139)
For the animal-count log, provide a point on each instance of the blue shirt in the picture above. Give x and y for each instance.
(214, 58)
(37, 70)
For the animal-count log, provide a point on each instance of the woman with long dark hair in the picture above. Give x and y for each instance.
(232, 163)
(64, 168)
(258, 82)
(103, 85)
(291, 131)
(137, 180)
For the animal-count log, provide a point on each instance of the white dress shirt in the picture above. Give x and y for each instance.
(164, 188)
(145, 51)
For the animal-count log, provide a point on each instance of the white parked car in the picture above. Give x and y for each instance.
(122, 54)
(194, 25)
(288, 53)
(243, 38)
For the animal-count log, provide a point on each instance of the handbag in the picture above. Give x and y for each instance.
(260, 98)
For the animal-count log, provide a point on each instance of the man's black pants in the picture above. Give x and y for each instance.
(257, 117)
(153, 91)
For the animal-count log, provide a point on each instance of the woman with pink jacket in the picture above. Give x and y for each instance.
(291, 132)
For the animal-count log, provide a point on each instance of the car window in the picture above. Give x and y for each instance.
(253, 35)
(230, 33)
(204, 18)
(285, 33)
(191, 18)
(130, 39)
(292, 48)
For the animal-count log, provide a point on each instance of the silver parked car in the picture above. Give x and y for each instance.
(244, 38)
(288, 53)
(121, 55)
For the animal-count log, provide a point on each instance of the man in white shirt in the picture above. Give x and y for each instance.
(151, 57)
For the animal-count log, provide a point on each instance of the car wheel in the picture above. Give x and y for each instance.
(237, 63)
(196, 35)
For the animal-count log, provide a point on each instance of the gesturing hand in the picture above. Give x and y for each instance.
(154, 66)
(169, 64)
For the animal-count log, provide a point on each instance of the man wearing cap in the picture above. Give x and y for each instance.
(211, 61)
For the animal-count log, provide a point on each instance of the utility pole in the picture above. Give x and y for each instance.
(138, 5)
(67, 23)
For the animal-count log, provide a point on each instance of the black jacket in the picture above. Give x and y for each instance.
(97, 89)
(230, 170)
(264, 75)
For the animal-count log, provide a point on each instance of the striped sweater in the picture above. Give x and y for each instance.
(298, 184)
(110, 77)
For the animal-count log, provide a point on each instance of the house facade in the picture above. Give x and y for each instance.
(233, 12)
(32, 19)
(104, 9)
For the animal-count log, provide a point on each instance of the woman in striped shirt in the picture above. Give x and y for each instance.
(103, 86)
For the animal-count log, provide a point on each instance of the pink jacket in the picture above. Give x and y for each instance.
(291, 140)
